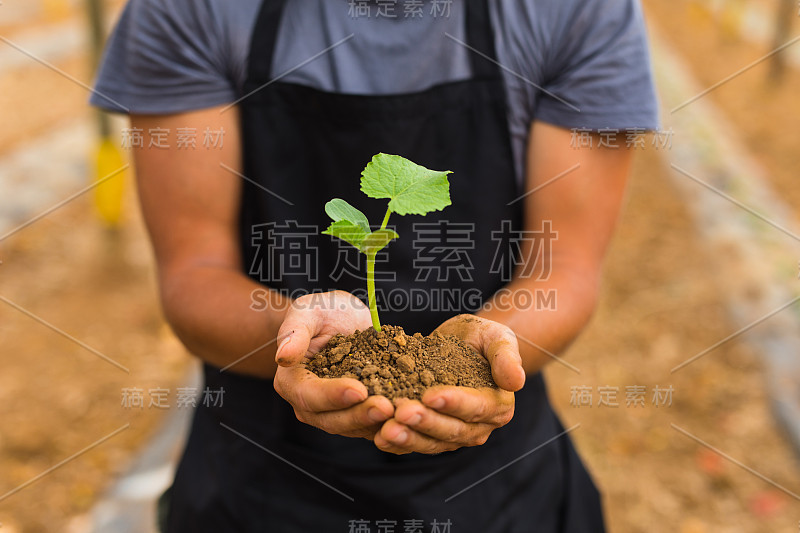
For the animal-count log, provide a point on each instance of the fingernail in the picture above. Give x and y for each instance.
(416, 419)
(376, 415)
(438, 403)
(285, 340)
(282, 344)
(401, 437)
(352, 396)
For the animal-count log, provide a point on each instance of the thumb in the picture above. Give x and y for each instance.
(294, 337)
(503, 355)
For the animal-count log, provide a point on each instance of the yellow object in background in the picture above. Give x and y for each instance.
(731, 19)
(108, 194)
(56, 9)
(700, 13)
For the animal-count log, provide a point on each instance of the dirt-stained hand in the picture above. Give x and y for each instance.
(448, 417)
(339, 406)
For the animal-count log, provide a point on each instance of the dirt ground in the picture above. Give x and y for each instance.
(661, 304)
(764, 112)
(56, 397)
(59, 99)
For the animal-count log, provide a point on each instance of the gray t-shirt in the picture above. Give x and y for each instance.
(572, 63)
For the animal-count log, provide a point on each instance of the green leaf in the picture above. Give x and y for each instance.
(412, 189)
(347, 231)
(339, 209)
(377, 241)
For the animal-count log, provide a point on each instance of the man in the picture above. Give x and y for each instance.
(305, 93)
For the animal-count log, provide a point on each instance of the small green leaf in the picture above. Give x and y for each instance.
(339, 209)
(377, 240)
(347, 231)
(412, 189)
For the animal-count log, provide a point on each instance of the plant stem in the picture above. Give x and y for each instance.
(373, 306)
(386, 218)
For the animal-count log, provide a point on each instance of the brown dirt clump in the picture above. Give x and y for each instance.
(396, 365)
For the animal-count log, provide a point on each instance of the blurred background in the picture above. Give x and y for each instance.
(683, 393)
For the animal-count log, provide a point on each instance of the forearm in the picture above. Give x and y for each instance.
(212, 311)
(190, 202)
(583, 208)
(544, 332)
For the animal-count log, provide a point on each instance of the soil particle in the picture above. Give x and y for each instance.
(397, 365)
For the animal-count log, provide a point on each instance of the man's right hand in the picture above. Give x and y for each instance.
(340, 406)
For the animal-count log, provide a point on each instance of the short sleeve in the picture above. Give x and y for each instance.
(165, 56)
(597, 74)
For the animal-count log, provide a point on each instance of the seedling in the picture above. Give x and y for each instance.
(411, 189)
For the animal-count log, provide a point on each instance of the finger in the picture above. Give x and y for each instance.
(440, 426)
(489, 406)
(310, 393)
(398, 438)
(385, 446)
(500, 347)
(295, 334)
(362, 420)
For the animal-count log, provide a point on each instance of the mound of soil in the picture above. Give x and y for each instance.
(396, 365)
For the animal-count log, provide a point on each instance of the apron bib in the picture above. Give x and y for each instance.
(302, 147)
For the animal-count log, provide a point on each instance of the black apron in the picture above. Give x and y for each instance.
(250, 466)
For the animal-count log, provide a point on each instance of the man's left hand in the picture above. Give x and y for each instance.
(450, 417)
